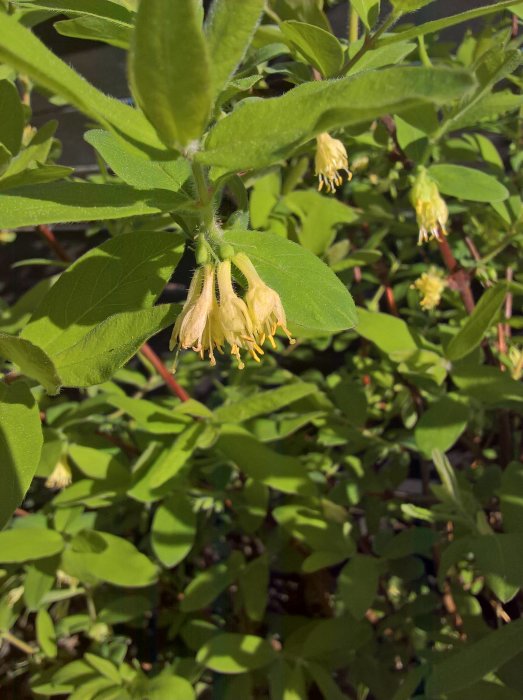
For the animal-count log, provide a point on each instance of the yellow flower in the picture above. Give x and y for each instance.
(234, 317)
(198, 325)
(431, 286)
(431, 210)
(264, 304)
(331, 157)
(61, 476)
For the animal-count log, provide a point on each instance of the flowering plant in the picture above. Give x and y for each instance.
(314, 488)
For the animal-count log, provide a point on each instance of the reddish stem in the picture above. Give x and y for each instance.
(162, 370)
(458, 277)
(54, 244)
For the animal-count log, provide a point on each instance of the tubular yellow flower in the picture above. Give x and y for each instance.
(197, 327)
(331, 157)
(264, 304)
(431, 210)
(234, 317)
(431, 286)
(61, 476)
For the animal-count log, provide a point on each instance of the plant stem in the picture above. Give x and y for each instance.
(370, 42)
(18, 643)
(162, 370)
(205, 203)
(354, 22)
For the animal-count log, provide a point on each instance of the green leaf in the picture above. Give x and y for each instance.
(280, 472)
(254, 587)
(169, 69)
(468, 183)
(511, 497)
(235, 653)
(498, 557)
(314, 299)
(207, 585)
(96, 29)
(173, 530)
(32, 361)
(126, 273)
(472, 333)
(265, 131)
(368, 11)
(229, 28)
(404, 6)
(80, 201)
(111, 344)
(441, 425)
(20, 445)
(263, 403)
(476, 660)
(320, 48)
(24, 52)
(22, 544)
(99, 556)
(35, 176)
(438, 24)
(45, 634)
(490, 386)
(325, 682)
(358, 584)
(136, 170)
(12, 124)
(318, 215)
(163, 687)
(390, 334)
(105, 9)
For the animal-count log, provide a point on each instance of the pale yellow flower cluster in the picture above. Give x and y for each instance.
(331, 157)
(431, 286)
(431, 210)
(209, 319)
(61, 476)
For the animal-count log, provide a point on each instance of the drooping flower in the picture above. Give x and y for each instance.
(263, 303)
(198, 325)
(61, 476)
(431, 210)
(431, 286)
(234, 317)
(331, 157)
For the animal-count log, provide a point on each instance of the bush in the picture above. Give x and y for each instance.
(342, 518)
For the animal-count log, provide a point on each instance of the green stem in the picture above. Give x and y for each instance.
(370, 42)
(18, 643)
(354, 24)
(424, 56)
(205, 204)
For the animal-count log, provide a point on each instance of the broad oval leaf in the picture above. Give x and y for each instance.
(126, 273)
(169, 69)
(173, 530)
(31, 360)
(20, 445)
(468, 183)
(441, 425)
(471, 334)
(315, 300)
(236, 653)
(229, 28)
(26, 544)
(320, 48)
(265, 131)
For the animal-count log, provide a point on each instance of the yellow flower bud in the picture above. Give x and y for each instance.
(431, 286)
(61, 476)
(234, 317)
(264, 304)
(431, 210)
(331, 157)
(198, 325)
